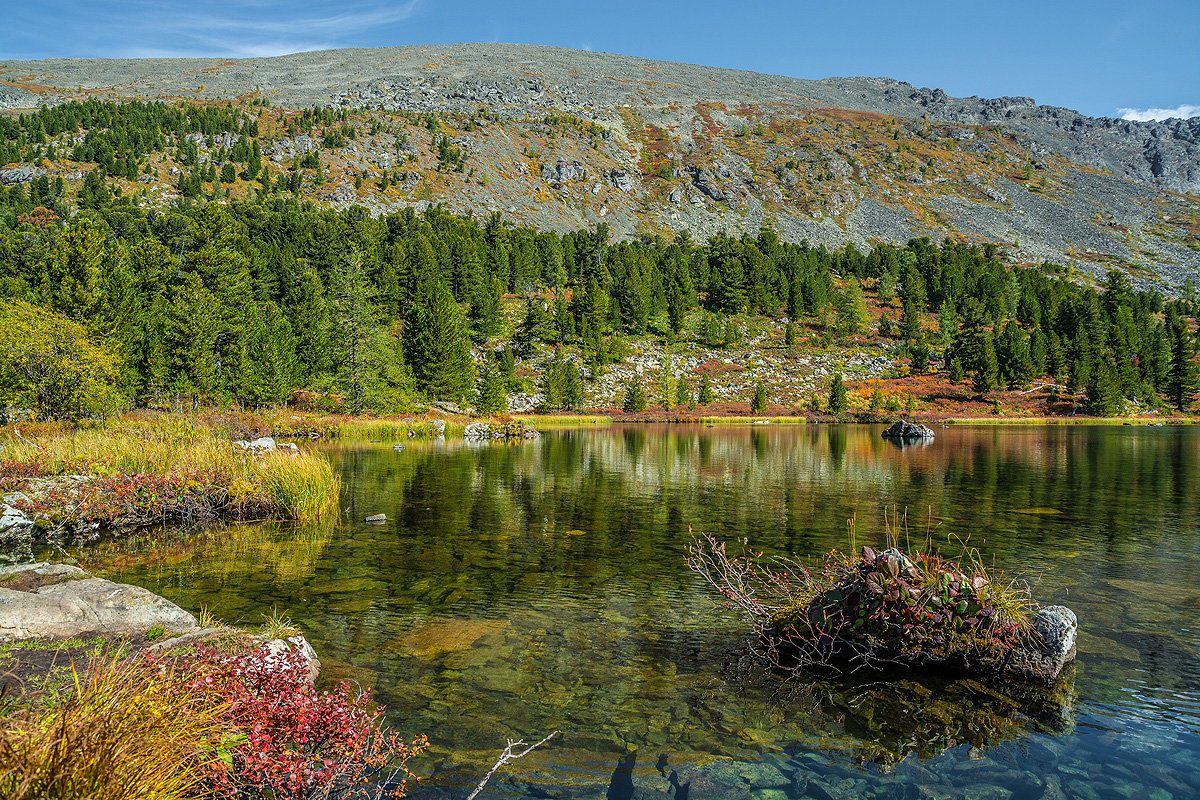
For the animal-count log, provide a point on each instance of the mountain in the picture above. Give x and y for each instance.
(562, 139)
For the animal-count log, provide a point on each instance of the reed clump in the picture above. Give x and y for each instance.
(123, 732)
(165, 468)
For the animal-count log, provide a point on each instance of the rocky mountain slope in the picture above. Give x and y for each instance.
(568, 139)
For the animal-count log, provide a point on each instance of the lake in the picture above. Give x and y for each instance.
(523, 588)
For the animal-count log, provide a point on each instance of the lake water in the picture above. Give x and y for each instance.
(523, 588)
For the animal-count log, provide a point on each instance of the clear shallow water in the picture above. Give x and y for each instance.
(523, 588)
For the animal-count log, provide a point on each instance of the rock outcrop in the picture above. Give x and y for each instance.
(483, 431)
(59, 601)
(1047, 647)
(903, 430)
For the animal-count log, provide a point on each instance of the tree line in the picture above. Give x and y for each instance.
(249, 301)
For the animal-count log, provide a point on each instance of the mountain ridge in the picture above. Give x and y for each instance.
(1056, 184)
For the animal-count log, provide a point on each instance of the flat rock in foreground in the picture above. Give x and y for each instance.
(58, 601)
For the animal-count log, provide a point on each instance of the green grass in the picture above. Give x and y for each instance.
(550, 421)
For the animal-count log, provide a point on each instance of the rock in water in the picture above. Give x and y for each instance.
(75, 603)
(376, 518)
(1048, 647)
(907, 430)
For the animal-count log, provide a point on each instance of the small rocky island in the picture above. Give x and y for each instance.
(907, 431)
(888, 610)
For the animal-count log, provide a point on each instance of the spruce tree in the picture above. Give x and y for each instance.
(705, 394)
(758, 404)
(635, 397)
(839, 400)
(353, 333)
(436, 344)
(1181, 380)
(490, 398)
(789, 334)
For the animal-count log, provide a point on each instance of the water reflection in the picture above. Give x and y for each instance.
(520, 588)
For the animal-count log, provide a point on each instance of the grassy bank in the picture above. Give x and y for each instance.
(551, 421)
(159, 467)
(1142, 421)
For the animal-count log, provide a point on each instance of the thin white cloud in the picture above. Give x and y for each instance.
(253, 29)
(1153, 114)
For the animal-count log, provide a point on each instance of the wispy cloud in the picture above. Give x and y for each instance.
(1151, 114)
(241, 28)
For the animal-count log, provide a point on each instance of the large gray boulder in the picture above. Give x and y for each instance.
(58, 601)
(902, 430)
(1047, 647)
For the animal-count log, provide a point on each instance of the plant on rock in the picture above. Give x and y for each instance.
(878, 610)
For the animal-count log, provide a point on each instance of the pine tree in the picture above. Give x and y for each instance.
(683, 392)
(436, 344)
(705, 395)
(1181, 380)
(635, 397)
(1102, 392)
(910, 319)
(919, 353)
(839, 400)
(789, 334)
(490, 390)
(758, 404)
(270, 366)
(986, 368)
(353, 333)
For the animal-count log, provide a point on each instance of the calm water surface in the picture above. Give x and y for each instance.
(523, 588)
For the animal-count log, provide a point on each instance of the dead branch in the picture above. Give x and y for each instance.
(508, 755)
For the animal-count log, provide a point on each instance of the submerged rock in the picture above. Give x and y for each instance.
(376, 518)
(907, 430)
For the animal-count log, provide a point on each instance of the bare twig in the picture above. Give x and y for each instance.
(34, 445)
(508, 755)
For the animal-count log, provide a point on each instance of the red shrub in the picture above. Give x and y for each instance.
(291, 741)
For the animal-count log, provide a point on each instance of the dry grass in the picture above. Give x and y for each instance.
(299, 486)
(124, 732)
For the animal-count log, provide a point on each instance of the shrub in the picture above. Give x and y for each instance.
(293, 741)
(50, 364)
(124, 732)
(877, 610)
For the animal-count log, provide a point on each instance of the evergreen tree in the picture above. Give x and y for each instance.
(353, 334)
(1015, 366)
(270, 366)
(1102, 391)
(758, 404)
(910, 319)
(987, 368)
(436, 344)
(1181, 381)
(919, 354)
(490, 396)
(839, 400)
(789, 334)
(683, 392)
(705, 394)
(635, 397)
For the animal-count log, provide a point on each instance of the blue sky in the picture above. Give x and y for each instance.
(1097, 57)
